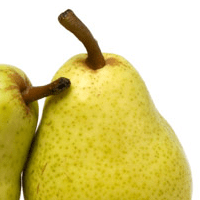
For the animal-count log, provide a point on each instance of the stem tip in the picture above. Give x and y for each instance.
(60, 85)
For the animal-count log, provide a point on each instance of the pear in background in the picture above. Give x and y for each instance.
(18, 120)
(104, 139)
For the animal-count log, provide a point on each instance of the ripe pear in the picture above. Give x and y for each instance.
(104, 139)
(18, 120)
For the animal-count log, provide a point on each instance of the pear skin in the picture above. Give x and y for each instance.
(105, 140)
(18, 121)
(17, 127)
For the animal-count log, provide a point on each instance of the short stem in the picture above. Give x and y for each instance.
(31, 94)
(72, 23)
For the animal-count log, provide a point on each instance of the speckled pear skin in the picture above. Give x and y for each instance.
(105, 140)
(17, 127)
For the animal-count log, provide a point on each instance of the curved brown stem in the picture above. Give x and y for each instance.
(31, 94)
(72, 23)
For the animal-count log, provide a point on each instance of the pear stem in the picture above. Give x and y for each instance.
(72, 23)
(31, 94)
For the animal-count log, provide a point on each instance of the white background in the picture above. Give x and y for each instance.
(160, 38)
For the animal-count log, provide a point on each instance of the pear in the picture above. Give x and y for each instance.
(104, 139)
(18, 120)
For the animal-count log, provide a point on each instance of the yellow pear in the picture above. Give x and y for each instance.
(18, 120)
(104, 139)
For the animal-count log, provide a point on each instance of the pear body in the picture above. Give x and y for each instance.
(17, 127)
(105, 140)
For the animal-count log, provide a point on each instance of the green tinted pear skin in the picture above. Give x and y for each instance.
(18, 120)
(104, 139)
(17, 127)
